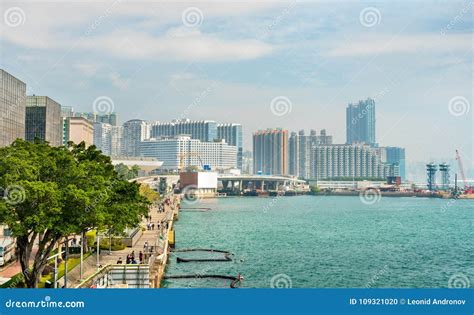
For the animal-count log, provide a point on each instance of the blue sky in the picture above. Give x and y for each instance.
(228, 61)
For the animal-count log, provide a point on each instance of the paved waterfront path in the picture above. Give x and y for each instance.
(152, 237)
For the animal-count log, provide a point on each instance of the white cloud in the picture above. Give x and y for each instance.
(389, 44)
(118, 81)
(87, 69)
(189, 46)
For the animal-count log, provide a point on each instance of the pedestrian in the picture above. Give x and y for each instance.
(129, 259)
(153, 226)
(133, 255)
(119, 261)
(145, 246)
(140, 257)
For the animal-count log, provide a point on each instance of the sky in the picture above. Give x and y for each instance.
(294, 65)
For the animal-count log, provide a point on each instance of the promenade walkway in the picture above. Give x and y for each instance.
(154, 238)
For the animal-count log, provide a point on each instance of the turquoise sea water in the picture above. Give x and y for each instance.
(326, 241)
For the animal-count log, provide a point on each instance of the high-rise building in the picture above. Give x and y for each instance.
(66, 111)
(80, 130)
(348, 161)
(134, 132)
(232, 134)
(43, 120)
(300, 154)
(270, 152)
(102, 137)
(110, 119)
(12, 108)
(360, 122)
(180, 152)
(396, 157)
(116, 137)
(204, 130)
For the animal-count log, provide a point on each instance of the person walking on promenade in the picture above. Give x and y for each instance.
(145, 246)
(119, 261)
(129, 259)
(140, 257)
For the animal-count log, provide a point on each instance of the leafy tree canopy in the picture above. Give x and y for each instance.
(52, 192)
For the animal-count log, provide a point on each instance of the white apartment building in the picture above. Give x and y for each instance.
(180, 152)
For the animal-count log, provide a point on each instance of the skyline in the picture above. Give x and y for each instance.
(320, 57)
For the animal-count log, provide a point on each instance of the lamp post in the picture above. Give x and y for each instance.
(98, 250)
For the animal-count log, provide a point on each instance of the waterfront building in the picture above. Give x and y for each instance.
(80, 130)
(247, 162)
(134, 132)
(43, 120)
(348, 161)
(270, 152)
(180, 152)
(360, 122)
(301, 153)
(12, 108)
(232, 134)
(204, 130)
(396, 156)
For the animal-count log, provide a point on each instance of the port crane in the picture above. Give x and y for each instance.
(467, 189)
(182, 156)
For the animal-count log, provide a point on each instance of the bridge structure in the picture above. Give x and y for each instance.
(241, 183)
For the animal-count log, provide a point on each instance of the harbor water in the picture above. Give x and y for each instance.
(326, 242)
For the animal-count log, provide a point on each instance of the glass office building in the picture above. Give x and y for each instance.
(12, 108)
(43, 120)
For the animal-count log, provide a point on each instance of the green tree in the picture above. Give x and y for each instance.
(61, 191)
(127, 173)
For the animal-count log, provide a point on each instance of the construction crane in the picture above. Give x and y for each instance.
(188, 154)
(467, 188)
